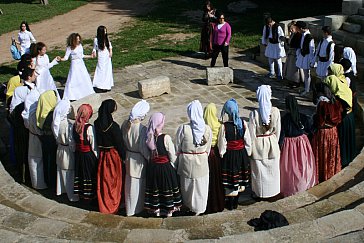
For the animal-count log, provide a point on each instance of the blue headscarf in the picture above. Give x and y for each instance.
(231, 108)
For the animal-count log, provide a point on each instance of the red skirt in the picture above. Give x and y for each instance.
(326, 149)
(109, 181)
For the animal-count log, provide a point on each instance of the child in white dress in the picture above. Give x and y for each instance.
(78, 83)
(103, 78)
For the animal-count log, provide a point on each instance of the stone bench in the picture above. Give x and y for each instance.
(219, 75)
(94, 100)
(154, 87)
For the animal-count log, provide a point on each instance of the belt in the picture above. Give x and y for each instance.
(264, 135)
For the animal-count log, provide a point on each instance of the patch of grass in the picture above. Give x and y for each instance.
(32, 11)
(144, 40)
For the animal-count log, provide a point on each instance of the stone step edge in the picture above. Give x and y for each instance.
(327, 227)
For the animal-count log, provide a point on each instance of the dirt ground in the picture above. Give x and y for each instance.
(114, 14)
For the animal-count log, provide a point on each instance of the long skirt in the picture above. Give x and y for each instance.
(298, 168)
(49, 151)
(85, 175)
(109, 181)
(134, 195)
(215, 201)
(35, 160)
(326, 149)
(291, 71)
(162, 194)
(206, 38)
(265, 177)
(195, 192)
(235, 171)
(346, 131)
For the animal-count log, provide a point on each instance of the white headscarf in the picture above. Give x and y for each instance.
(60, 113)
(349, 53)
(139, 110)
(264, 95)
(195, 113)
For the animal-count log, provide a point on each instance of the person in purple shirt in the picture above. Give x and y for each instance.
(221, 40)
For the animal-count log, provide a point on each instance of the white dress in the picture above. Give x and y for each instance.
(193, 168)
(78, 83)
(321, 69)
(103, 78)
(25, 38)
(306, 61)
(274, 51)
(45, 80)
(65, 160)
(265, 158)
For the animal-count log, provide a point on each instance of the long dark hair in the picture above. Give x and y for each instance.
(26, 25)
(102, 39)
(72, 40)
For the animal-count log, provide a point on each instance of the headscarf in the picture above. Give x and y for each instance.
(264, 95)
(47, 102)
(84, 113)
(209, 115)
(60, 113)
(338, 84)
(139, 110)
(348, 53)
(231, 108)
(322, 93)
(292, 107)
(195, 114)
(105, 119)
(155, 127)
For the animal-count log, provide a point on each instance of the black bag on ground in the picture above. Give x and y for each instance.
(268, 220)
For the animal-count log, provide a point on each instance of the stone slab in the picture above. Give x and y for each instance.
(67, 213)
(353, 237)
(322, 208)
(339, 35)
(357, 19)
(345, 198)
(15, 192)
(40, 239)
(102, 220)
(140, 223)
(94, 100)
(361, 11)
(77, 232)
(154, 87)
(37, 204)
(335, 21)
(46, 227)
(109, 235)
(360, 47)
(161, 235)
(9, 236)
(297, 201)
(349, 7)
(219, 75)
(182, 222)
(19, 220)
(352, 28)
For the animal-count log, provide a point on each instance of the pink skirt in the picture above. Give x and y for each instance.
(297, 164)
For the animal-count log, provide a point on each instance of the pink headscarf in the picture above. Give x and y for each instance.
(84, 114)
(155, 127)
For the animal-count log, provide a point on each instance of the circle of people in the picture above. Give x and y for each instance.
(205, 169)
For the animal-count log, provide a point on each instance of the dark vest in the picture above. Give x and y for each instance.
(274, 39)
(306, 45)
(327, 57)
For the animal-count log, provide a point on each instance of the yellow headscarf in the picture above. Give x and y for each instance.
(338, 84)
(13, 83)
(209, 115)
(47, 102)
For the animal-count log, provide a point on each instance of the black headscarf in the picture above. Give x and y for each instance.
(292, 107)
(105, 120)
(322, 89)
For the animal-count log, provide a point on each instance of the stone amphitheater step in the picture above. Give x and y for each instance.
(361, 11)
(357, 19)
(355, 41)
(351, 27)
(22, 209)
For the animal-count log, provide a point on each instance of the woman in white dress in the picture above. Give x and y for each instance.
(78, 83)
(65, 160)
(137, 154)
(42, 65)
(193, 144)
(25, 38)
(103, 78)
(265, 129)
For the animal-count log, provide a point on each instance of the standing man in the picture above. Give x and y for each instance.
(273, 38)
(305, 55)
(325, 52)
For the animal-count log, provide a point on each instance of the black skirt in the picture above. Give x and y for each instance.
(162, 188)
(85, 175)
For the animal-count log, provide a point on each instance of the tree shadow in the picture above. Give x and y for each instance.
(184, 63)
